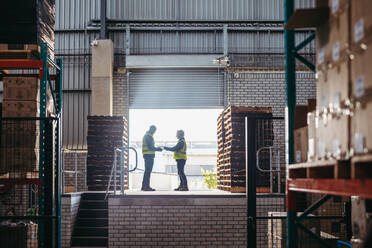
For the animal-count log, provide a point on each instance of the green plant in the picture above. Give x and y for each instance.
(210, 178)
(31, 212)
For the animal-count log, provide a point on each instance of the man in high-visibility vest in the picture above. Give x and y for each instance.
(148, 152)
(180, 156)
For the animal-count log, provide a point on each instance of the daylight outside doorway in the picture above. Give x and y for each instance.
(200, 127)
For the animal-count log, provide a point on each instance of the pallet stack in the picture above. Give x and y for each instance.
(20, 139)
(231, 149)
(27, 22)
(105, 133)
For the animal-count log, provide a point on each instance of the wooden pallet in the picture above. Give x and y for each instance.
(322, 169)
(361, 167)
(19, 52)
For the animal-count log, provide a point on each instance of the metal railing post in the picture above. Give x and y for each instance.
(63, 171)
(271, 170)
(115, 173)
(122, 170)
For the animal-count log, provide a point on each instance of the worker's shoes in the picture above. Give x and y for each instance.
(148, 189)
(183, 189)
(178, 189)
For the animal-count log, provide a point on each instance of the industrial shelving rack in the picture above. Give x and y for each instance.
(337, 187)
(49, 190)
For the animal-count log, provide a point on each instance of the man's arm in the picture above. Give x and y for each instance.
(150, 142)
(177, 147)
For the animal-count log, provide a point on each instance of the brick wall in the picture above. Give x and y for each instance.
(120, 103)
(176, 222)
(69, 208)
(70, 158)
(267, 89)
(180, 221)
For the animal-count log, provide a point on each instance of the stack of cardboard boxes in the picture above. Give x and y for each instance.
(20, 139)
(338, 129)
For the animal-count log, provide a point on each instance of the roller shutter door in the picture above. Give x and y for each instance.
(176, 88)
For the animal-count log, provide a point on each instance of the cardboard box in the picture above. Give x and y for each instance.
(361, 219)
(301, 140)
(333, 137)
(19, 160)
(300, 116)
(332, 40)
(311, 105)
(361, 88)
(312, 142)
(21, 109)
(361, 22)
(32, 235)
(339, 87)
(21, 89)
(323, 89)
(18, 135)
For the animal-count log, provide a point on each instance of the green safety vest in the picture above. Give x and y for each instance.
(181, 154)
(145, 146)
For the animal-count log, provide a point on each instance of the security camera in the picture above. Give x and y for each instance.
(94, 43)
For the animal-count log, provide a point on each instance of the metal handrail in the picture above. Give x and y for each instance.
(75, 171)
(122, 169)
(271, 170)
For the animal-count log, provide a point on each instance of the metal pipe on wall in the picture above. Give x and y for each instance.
(103, 30)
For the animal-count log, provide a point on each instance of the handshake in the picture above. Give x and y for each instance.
(162, 148)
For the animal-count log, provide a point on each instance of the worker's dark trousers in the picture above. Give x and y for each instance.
(149, 163)
(181, 172)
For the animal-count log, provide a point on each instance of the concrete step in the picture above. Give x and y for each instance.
(93, 204)
(93, 196)
(91, 222)
(89, 241)
(93, 213)
(90, 231)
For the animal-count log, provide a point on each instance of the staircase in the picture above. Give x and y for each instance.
(91, 226)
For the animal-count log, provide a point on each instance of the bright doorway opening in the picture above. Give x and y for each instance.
(200, 127)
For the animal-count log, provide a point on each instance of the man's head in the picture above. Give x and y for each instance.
(152, 129)
(180, 134)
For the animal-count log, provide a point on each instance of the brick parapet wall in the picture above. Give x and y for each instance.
(177, 222)
(69, 209)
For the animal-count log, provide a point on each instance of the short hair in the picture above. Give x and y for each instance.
(181, 132)
(152, 128)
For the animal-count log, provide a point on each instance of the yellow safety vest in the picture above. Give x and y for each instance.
(145, 146)
(181, 154)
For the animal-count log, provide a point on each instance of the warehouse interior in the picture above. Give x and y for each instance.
(261, 112)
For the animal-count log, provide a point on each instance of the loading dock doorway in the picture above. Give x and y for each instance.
(172, 99)
(199, 126)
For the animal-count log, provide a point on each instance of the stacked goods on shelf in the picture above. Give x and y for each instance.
(105, 133)
(333, 98)
(339, 128)
(361, 76)
(21, 234)
(301, 132)
(20, 139)
(231, 148)
(27, 22)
